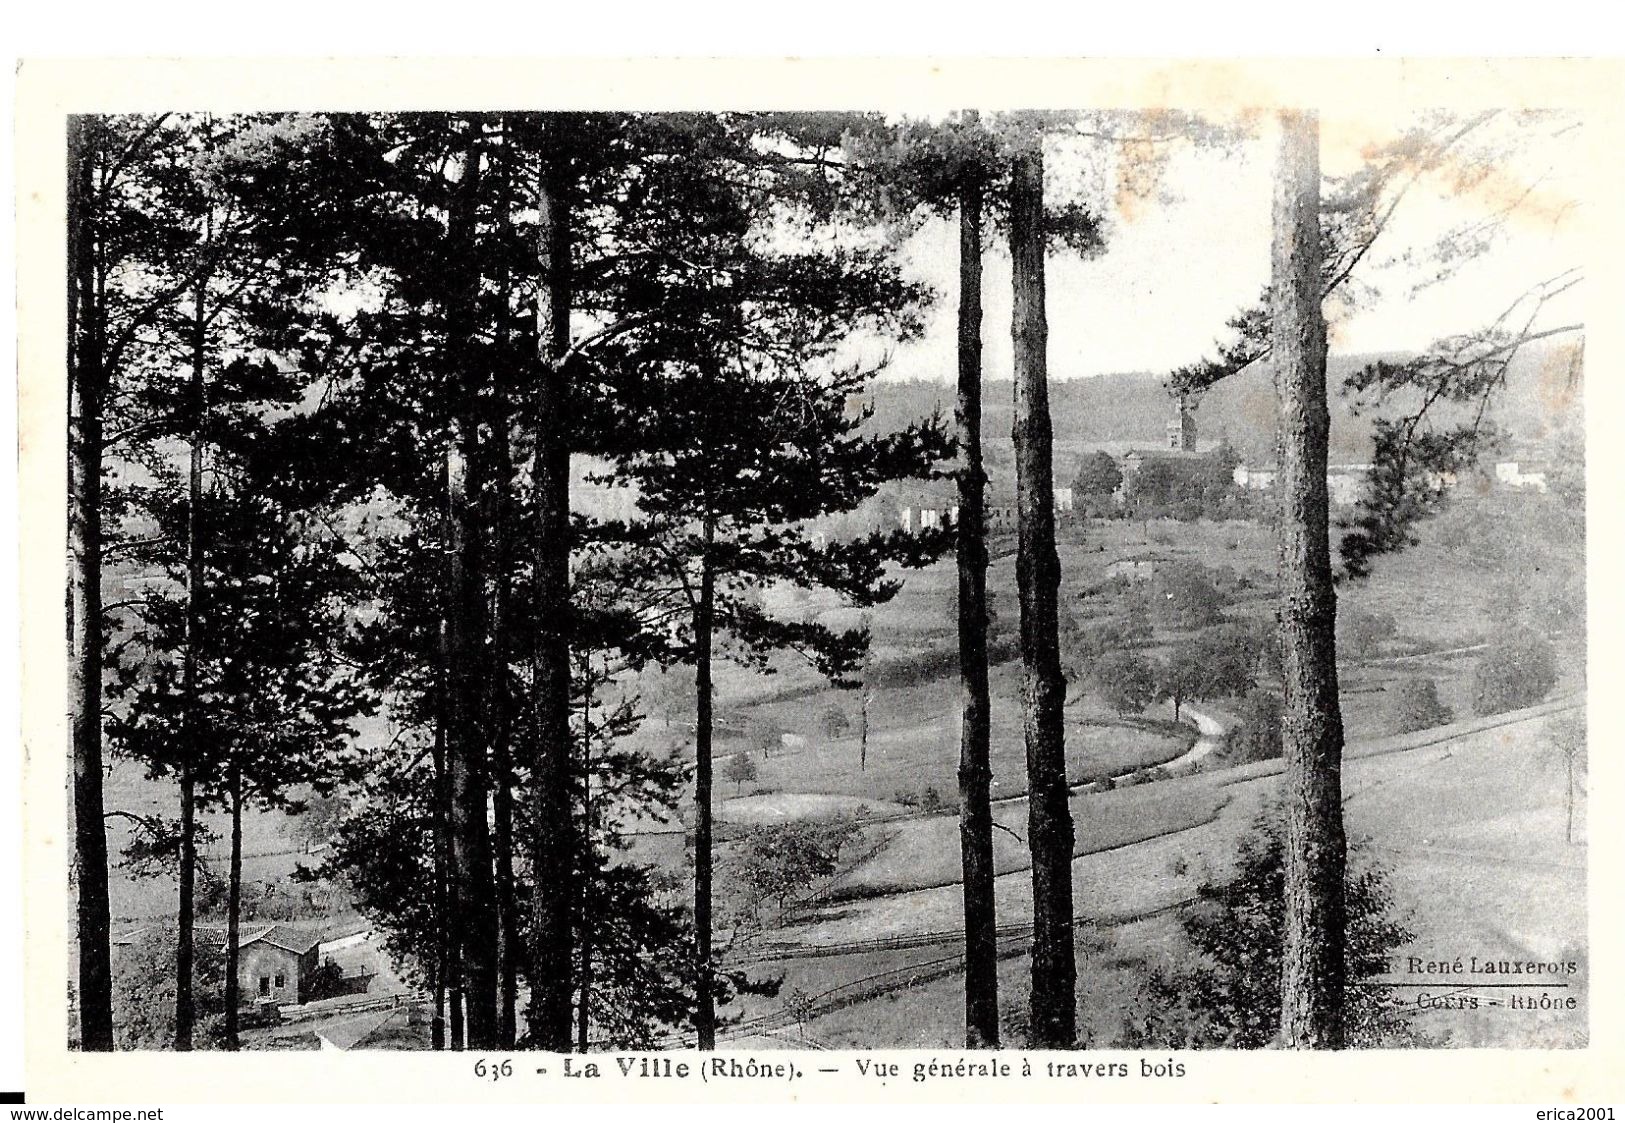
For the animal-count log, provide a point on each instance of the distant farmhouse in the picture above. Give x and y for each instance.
(276, 964)
(931, 512)
(1521, 474)
(1344, 482)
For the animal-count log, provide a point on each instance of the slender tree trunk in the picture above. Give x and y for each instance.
(437, 983)
(1038, 572)
(589, 861)
(191, 735)
(553, 958)
(705, 1013)
(502, 762)
(441, 817)
(1313, 969)
(500, 701)
(87, 382)
(455, 1000)
(975, 772)
(184, 910)
(863, 728)
(475, 919)
(1568, 830)
(467, 655)
(234, 911)
(451, 947)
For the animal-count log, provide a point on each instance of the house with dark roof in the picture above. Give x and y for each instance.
(276, 963)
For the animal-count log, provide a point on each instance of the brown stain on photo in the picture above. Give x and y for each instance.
(1560, 382)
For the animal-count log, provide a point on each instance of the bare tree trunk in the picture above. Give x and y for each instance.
(863, 728)
(1568, 829)
(470, 834)
(191, 758)
(1038, 571)
(502, 781)
(87, 381)
(234, 911)
(975, 772)
(705, 1014)
(1313, 969)
(437, 983)
(467, 655)
(589, 861)
(441, 817)
(450, 950)
(499, 703)
(553, 960)
(455, 1001)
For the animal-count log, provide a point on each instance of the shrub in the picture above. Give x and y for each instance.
(1257, 734)
(1361, 632)
(836, 721)
(1187, 596)
(1518, 670)
(144, 990)
(1417, 706)
(1227, 992)
(327, 981)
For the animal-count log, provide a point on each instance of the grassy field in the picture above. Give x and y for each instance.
(923, 853)
(1473, 832)
(913, 742)
(269, 852)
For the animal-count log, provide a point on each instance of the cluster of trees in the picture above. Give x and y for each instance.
(1187, 488)
(329, 375)
(1219, 663)
(332, 379)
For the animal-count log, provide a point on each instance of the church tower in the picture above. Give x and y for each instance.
(1182, 429)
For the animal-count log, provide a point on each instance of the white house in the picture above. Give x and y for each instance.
(1510, 473)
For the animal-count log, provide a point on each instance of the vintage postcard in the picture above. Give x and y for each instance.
(808, 580)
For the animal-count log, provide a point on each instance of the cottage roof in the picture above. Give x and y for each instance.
(136, 935)
(1166, 454)
(284, 937)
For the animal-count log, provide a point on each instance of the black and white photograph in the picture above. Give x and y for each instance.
(613, 582)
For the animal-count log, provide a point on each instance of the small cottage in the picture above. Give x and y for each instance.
(275, 964)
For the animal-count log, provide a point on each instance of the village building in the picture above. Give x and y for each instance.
(1521, 474)
(1000, 512)
(1180, 446)
(276, 964)
(1345, 483)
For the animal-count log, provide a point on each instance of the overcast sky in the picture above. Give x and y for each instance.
(1178, 266)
